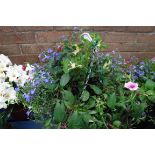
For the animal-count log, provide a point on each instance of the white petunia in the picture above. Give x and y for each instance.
(10, 95)
(2, 76)
(2, 104)
(4, 59)
(12, 73)
(87, 36)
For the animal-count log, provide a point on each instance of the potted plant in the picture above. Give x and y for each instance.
(77, 87)
(12, 78)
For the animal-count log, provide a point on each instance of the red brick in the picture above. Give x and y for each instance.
(17, 38)
(6, 29)
(128, 55)
(24, 58)
(128, 47)
(33, 28)
(142, 29)
(49, 37)
(141, 55)
(110, 28)
(73, 28)
(113, 37)
(34, 48)
(10, 49)
(121, 37)
(146, 38)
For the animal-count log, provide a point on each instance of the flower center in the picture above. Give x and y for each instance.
(132, 86)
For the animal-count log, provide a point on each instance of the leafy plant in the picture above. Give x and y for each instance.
(75, 87)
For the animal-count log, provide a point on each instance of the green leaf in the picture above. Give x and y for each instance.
(68, 98)
(48, 123)
(96, 89)
(75, 121)
(85, 95)
(150, 85)
(64, 79)
(112, 101)
(117, 123)
(59, 112)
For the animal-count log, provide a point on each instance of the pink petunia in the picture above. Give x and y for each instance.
(131, 86)
(153, 59)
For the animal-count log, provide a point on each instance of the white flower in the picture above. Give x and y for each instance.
(4, 59)
(10, 95)
(3, 67)
(7, 95)
(22, 80)
(87, 36)
(12, 73)
(29, 68)
(2, 104)
(2, 76)
(73, 65)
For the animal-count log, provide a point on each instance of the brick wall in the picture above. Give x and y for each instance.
(22, 43)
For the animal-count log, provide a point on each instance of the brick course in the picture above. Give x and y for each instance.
(23, 43)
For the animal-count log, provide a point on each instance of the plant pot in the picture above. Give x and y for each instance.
(4, 115)
(25, 125)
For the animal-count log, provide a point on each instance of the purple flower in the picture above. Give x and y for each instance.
(140, 73)
(141, 67)
(135, 77)
(32, 91)
(17, 89)
(43, 59)
(46, 80)
(47, 57)
(113, 52)
(153, 59)
(27, 97)
(142, 63)
(36, 82)
(28, 113)
(49, 50)
(40, 55)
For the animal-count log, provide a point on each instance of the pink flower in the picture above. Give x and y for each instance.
(131, 86)
(153, 59)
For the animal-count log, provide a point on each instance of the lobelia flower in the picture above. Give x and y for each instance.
(131, 86)
(49, 50)
(87, 36)
(27, 97)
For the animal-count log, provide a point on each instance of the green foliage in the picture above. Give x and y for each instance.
(87, 90)
(64, 79)
(68, 98)
(96, 89)
(59, 112)
(112, 101)
(150, 85)
(85, 96)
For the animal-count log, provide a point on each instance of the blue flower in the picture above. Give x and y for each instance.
(36, 82)
(133, 67)
(46, 80)
(32, 92)
(141, 67)
(49, 50)
(140, 73)
(135, 77)
(17, 89)
(27, 97)
(142, 63)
